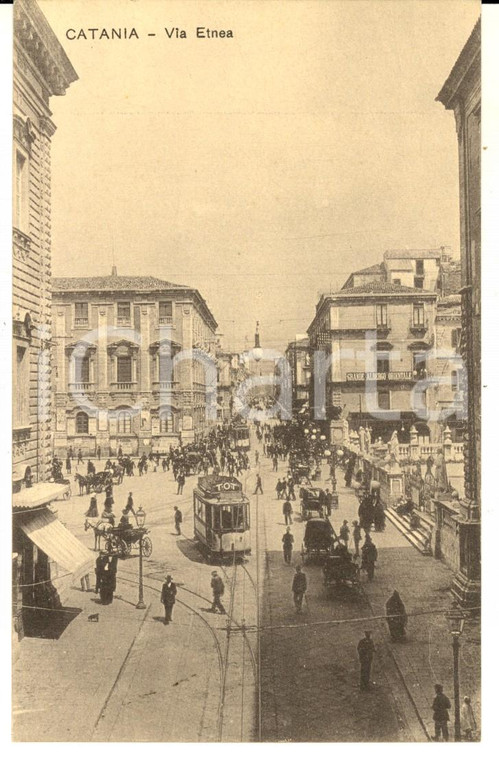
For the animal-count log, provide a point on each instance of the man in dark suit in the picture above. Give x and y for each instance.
(168, 594)
(365, 649)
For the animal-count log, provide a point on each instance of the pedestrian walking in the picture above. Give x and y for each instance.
(129, 504)
(92, 511)
(369, 557)
(258, 487)
(287, 511)
(345, 533)
(356, 535)
(365, 650)
(68, 464)
(468, 722)
(70, 452)
(275, 463)
(329, 502)
(396, 616)
(287, 546)
(299, 587)
(177, 516)
(80, 457)
(168, 594)
(180, 482)
(257, 457)
(441, 706)
(218, 589)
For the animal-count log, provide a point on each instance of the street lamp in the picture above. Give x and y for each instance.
(455, 618)
(140, 516)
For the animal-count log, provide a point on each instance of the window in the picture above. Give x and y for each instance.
(166, 422)
(20, 192)
(455, 337)
(124, 369)
(419, 365)
(454, 380)
(420, 266)
(82, 369)
(21, 388)
(418, 315)
(382, 364)
(397, 281)
(81, 423)
(381, 315)
(124, 313)
(124, 422)
(81, 313)
(383, 399)
(419, 282)
(165, 312)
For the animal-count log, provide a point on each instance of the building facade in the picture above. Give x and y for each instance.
(298, 357)
(41, 71)
(135, 364)
(370, 363)
(461, 93)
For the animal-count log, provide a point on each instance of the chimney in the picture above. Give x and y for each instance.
(114, 271)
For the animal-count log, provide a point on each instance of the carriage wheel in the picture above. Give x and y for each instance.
(123, 547)
(146, 546)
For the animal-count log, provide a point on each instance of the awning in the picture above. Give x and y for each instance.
(38, 495)
(44, 529)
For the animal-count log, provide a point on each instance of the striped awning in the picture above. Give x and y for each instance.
(49, 534)
(38, 495)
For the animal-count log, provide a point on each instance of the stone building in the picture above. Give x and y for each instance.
(135, 364)
(461, 93)
(369, 346)
(41, 70)
(298, 357)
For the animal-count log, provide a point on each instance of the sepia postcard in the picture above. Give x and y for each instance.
(246, 360)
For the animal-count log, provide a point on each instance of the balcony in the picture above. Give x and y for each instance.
(164, 385)
(81, 387)
(383, 328)
(419, 328)
(81, 321)
(119, 386)
(166, 320)
(362, 377)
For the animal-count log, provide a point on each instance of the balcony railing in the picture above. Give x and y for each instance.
(166, 320)
(356, 377)
(419, 327)
(164, 385)
(81, 321)
(119, 386)
(81, 387)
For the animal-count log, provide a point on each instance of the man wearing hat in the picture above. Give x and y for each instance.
(129, 504)
(441, 706)
(365, 649)
(218, 588)
(168, 594)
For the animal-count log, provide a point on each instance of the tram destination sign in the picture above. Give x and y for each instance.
(219, 484)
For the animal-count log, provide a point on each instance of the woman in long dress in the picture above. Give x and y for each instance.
(396, 616)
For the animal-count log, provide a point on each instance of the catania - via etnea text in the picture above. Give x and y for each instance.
(131, 33)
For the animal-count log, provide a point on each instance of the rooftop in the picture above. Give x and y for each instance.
(380, 287)
(416, 253)
(113, 283)
(374, 269)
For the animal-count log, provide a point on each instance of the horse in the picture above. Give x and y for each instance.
(100, 528)
(83, 483)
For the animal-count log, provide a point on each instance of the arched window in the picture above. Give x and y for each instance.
(124, 422)
(165, 422)
(81, 423)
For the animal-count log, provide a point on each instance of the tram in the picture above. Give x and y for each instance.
(221, 517)
(240, 436)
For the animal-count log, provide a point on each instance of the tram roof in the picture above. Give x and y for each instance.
(223, 488)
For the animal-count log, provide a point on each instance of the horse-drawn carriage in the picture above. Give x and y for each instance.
(191, 462)
(312, 502)
(122, 541)
(318, 539)
(301, 473)
(340, 569)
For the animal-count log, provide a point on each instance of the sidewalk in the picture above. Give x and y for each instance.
(424, 584)
(60, 686)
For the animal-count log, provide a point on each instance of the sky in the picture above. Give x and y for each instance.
(260, 169)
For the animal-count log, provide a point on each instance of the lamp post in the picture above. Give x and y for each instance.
(140, 516)
(455, 618)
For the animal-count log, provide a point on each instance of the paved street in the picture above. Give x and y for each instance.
(132, 669)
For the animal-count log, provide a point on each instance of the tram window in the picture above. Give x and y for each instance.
(238, 516)
(215, 522)
(199, 506)
(227, 517)
(209, 515)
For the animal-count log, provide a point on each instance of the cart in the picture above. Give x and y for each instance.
(340, 569)
(318, 539)
(312, 502)
(123, 541)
